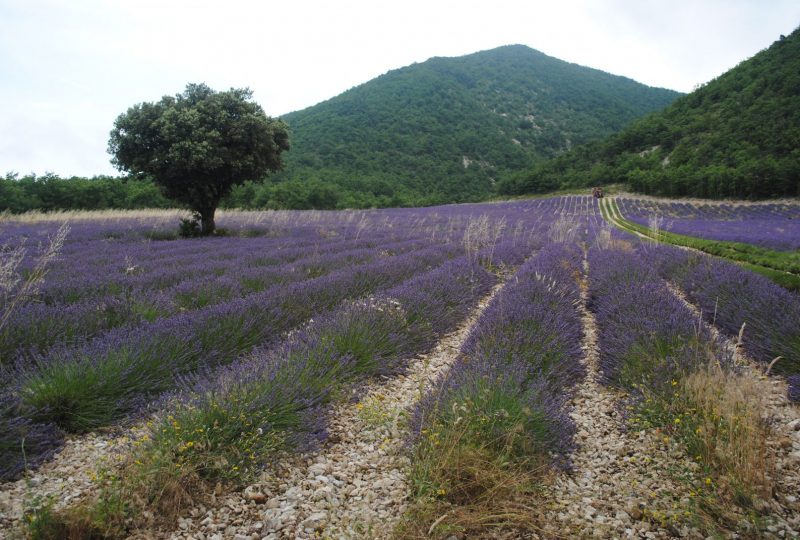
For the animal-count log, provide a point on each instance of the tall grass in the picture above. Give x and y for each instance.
(17, 288)
(719, 418)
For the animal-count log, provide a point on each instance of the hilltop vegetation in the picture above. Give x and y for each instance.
(444, 130)
(737, 136)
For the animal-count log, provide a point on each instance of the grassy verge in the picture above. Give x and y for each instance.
(781, 267)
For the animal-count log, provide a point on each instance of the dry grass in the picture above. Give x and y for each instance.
(486, 497)
(16, 290)
(479, 475)
(730, 431)
(605, 239)
(148, 491)
(37, 216)
(481, 235)
(564, 229)
(721, 419)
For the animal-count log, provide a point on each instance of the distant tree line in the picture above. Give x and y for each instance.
(50, 192)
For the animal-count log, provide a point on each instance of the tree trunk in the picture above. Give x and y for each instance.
(207, 225)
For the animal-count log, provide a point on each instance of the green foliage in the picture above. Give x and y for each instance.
(446, 129)
(717, 418)
(49, 192)
(480, 462)
(199, 144)
(737, 136)
(189, 227)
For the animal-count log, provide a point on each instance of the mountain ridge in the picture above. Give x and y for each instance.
(446, 129)
(737, 136)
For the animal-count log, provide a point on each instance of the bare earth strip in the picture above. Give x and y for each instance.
(354, 487)
(619, 486)
(784, 441)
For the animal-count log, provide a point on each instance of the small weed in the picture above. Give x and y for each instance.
(189, 227)
(374, 412)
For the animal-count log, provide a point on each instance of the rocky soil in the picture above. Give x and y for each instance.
(620, 486)
(623, 483)
(70, 476)
(783, 417)
(354, 487)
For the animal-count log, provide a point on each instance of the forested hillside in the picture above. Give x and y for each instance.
(446, 129)
(737, 136)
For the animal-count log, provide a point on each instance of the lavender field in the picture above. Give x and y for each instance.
(399, 373)
(771, 225)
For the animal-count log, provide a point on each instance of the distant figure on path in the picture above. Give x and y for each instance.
(597, 193)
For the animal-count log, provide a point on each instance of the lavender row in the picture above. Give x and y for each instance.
(731, 297)
(514, 370)
(774, 226)
(298, 226)
(113, 377)
(648, 337)
(140, 361)
(136, 267)
(277, 397)
(37, 327)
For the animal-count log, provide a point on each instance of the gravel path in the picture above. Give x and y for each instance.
(67, 478)
(620, 486)
(354, 487)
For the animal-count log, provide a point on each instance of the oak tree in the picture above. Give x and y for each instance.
(198, 145)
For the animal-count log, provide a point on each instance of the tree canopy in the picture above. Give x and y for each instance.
(198, 145)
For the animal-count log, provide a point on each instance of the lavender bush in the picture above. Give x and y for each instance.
(99, 382)
(508, 389)
(276, 398)
(772, 225)
(648, 338)
(731, 296)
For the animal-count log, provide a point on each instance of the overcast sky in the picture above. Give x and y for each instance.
(68, 68)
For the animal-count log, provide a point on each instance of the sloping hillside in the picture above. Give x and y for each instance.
(737, 136)
(446, 129)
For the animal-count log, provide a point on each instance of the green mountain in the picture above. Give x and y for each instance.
(737, 136)
(446, 129)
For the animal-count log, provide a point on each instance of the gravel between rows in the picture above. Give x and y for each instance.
(783, 442)
(355, 486)
(622, 484)
(70, 476)
(619, 479)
